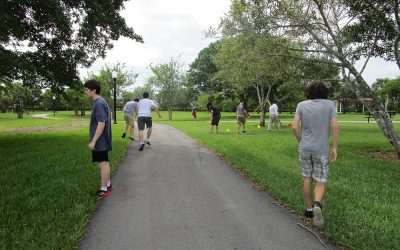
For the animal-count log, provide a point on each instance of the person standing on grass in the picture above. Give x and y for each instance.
(100, 135)
(242, 116)
(144, 108)
(194, 113)
(317, 117)
(129, 115)
(215, 117)
(273, 116)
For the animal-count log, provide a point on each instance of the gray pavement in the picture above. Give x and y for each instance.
(176, 194)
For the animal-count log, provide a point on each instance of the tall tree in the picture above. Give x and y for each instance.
(322, 26)
(43, 42)
(168, 78)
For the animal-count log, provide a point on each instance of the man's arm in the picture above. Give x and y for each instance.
(155, 108)
(295, 126)
(335, 139)
(97, 134)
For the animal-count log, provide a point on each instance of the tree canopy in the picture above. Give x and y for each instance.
(44, 42)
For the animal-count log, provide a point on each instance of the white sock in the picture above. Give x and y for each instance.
(108, 183)
(104, 188)
(309, 209)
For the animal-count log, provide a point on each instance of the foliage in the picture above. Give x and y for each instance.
(168, 78)
(125, 78)
(43, 42)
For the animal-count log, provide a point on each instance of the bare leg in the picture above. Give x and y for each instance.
(131, 129)
(238, 128)
(126, 127)
(307, 191)
(149, 130)
(211, 129)
(140, 135)
(319, 191)
(244, 126)
(216, 129)
(104, 173)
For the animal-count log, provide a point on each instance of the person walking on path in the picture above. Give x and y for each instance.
(129, 115)
(194, 113)
(242, 116)
(273, 116)
(100, 135)
(317, 117)
(144, 108)
(215, 117)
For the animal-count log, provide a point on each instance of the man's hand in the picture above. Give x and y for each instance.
(91, 146)
(333, 155)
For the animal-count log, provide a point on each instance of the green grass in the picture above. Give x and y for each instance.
(48, 183)
(48, 180)
(362, 201)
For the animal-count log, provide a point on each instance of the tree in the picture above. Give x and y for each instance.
(125, 78)
(77, 100)
(43, 42)
(377, 26)
(322, 26)
(168, 78)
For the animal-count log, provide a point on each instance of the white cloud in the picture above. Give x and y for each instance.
(170, 29)
(175, 28)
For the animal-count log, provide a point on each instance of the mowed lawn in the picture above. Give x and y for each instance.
(49, 182)
(362, 202)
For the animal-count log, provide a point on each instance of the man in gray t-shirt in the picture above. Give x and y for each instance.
(129, 117)
(241, 116)
(317, 117)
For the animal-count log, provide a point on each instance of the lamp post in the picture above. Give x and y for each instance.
(54, 105)
(114, 77)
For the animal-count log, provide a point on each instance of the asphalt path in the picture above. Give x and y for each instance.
(177, 194)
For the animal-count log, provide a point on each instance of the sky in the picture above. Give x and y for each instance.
(175, 29)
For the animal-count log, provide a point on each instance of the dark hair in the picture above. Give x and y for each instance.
(146, 95)
(316, 90)
(209, 105)
(241, 100)
(93, 85)
(136, 99)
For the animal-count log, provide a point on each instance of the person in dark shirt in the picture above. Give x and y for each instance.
(100, 135)
(215, 117)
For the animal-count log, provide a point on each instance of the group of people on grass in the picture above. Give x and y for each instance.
(316, 115)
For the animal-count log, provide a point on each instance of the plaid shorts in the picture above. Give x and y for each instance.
(315, 166)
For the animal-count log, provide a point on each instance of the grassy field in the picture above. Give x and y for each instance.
(362, 202)
(49, 182)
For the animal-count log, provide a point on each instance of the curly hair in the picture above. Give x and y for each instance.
(316, 90)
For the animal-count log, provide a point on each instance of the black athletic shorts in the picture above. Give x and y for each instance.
(144, 121)
(99, 156)
(215, 120)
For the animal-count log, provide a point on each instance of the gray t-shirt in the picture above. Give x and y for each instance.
(130, 107)
(101, 113)
(240, 110)
(315, 117)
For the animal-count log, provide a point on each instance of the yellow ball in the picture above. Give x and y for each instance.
(228, 130)
(258, 126)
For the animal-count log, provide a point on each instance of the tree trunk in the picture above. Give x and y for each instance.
(375, 106)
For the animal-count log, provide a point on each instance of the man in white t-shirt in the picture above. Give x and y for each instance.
(144, 108)
(273, 116)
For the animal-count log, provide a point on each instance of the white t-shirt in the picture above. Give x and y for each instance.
(273, 110)
(144, 107)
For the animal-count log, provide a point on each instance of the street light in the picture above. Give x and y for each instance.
(54, 105)
(114, 77)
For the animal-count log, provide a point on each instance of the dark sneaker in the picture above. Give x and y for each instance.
(141, 147)
(132, 139)
(308, 214)
(103, 194)
(244, 131)
(148, 142)
(318, 220)
(123, 135)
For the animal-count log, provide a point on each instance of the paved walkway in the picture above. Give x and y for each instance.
(176, 194)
